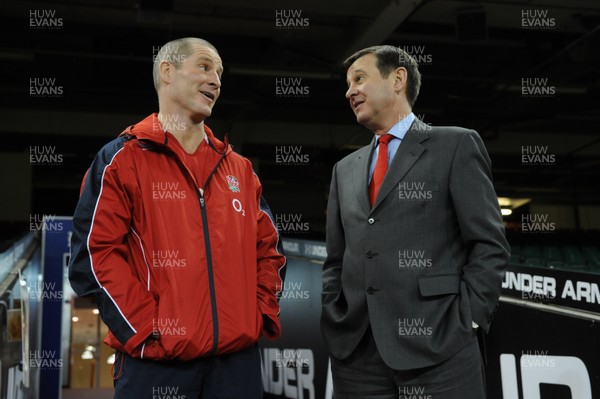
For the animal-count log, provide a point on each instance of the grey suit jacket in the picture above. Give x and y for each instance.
(425, 261)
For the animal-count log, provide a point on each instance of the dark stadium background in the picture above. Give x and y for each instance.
(524, 74)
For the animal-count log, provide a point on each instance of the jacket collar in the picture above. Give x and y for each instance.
(150, 129)
(407, 155)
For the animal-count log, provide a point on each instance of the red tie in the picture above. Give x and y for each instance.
(381, 167)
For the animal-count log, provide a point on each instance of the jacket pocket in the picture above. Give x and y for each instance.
(153, 350)
(439, 284)
(330, 297)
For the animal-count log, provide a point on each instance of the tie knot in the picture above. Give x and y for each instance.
(385, 138)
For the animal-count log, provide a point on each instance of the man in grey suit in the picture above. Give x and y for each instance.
(416, 250)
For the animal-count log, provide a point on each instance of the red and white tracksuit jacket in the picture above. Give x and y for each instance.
(201, 263)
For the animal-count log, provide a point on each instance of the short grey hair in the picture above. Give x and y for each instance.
(176, 52)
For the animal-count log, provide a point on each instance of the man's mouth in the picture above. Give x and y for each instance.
(208, 94)
(357, 104)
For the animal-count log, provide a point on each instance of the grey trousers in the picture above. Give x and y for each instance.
(364, 375)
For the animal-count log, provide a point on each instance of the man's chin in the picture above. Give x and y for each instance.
(201, 114)
(362, 119)
(367, 123)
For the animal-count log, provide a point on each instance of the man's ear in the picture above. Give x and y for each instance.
(165, 70)
(400, 76)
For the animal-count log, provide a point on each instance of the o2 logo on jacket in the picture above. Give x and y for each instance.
(234, 184)
(238, 207)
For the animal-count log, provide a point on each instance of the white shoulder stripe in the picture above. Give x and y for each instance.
(90, 235)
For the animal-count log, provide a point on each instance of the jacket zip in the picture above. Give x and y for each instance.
(211, 277)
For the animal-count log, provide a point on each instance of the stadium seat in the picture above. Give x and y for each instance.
(580, 267)
(593, 256)
(574, 258)
(552, 253)
(515, 259)
(535, 262)
(531, 251)
(515, 250)
(555, 264)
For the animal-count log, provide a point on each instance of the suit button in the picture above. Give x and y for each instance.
(371, 220)
(371, 290)
(370, 254)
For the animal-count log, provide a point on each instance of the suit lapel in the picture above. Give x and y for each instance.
(408, 153)
(361, 176)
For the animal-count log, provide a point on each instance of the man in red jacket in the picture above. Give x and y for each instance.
(173, 237)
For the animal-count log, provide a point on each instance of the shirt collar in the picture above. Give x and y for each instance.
(400, 129)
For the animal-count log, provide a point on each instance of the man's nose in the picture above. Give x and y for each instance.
(350, 92)
(215, 80)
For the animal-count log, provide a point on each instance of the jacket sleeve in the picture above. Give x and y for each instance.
(271, 264)
(480, 222)
(336, 245)
(98, 263)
